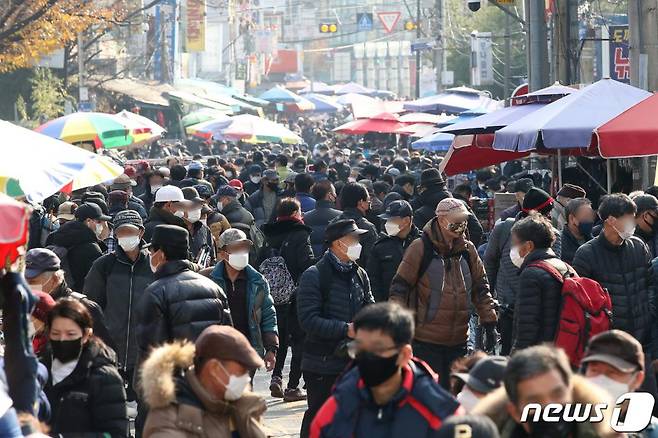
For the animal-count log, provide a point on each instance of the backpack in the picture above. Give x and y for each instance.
(62, 253)
(276, 272)
(586, 310)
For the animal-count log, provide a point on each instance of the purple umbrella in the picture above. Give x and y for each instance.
(569, 122)
(491, 122)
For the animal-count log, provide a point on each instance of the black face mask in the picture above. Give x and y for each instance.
(66, 351)
(543, 429)
(374, 369)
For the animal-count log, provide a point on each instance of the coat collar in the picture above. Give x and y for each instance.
(172, 268)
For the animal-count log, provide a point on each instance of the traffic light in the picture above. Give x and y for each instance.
(410, 25)
(473, 5)
(328, 28)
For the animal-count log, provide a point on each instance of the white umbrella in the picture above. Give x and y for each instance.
(36, 165)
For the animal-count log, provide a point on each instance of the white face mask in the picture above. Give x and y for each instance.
(354, 252)
(238, 260)
(179, 213)
(99, 230)
(155, 188)
(153, 267)
(339, 160)
(129, 243)
(392, 229)
(516, 258)
(236, 385)
(628, 230)
(204, 221)
(255, 179)
(220, 206)
(467, 399)
(613, 387)
(194, 215)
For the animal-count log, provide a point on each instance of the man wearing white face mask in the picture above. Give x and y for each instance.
(482, 379)
(210, 397)
(387, 252)
(202, 245)
(330, 294)
(248, 293)
(618, 260)
(168, 209)
(116, 282)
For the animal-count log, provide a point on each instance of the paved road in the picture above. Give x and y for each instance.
(281, 419)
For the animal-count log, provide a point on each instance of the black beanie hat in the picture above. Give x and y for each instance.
(537, 199)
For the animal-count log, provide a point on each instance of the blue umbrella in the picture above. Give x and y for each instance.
(453, 101)
(489, 123)
(439, 142)
(570, 121)
(278, 94)
(323, 104)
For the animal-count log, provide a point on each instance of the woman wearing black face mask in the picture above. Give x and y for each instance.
(85, 389)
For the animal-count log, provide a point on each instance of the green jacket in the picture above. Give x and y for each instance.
(260, 306)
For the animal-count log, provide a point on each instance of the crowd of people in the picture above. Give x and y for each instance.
(160, 295)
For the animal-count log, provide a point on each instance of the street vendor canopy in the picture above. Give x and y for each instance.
(452, 101)
(490, 122)
(570, 121)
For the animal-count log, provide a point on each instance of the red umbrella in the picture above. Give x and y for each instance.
(386, 123)
(469, 152)
(14, 218)
(633, 133)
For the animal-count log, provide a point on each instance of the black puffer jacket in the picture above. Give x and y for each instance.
(368, 239)
(624, 271)
(83, 249)
(325, 323)
(158, 216)
(235, 213)
(384, 260)
(569, 245)
(538, 300)
(425, 204)
(117, 284)
(179, 304)
(91, 401)
(292, 239)
(318, 219)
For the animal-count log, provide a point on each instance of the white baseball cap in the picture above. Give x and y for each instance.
(170, 194)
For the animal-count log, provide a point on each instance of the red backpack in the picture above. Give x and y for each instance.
(586, 310)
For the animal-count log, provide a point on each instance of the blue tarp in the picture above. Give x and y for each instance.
(570, 121)
(323, 104)
(279, 94)
(439, 142)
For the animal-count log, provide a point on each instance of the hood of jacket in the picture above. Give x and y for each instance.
(433, 195)
(433, 231)
(158, 379)
(276, 232)
(494, 405)
(74, 233)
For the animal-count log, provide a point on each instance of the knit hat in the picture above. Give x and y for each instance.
(451, 207)
(128, 218)
(523, 185)
(431, 176)
(537, 199)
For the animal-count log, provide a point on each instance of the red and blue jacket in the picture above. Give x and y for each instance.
(417, 410)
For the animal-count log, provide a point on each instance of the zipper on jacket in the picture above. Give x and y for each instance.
(130, 305)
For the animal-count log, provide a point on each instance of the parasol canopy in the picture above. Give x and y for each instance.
(452, 101)
(254, 129)
(278, 94)
(323, 104)
(470, 152)
(317, 87)
(156, 129)
(633, 133)
(430, 119)
(488, 123)
(355, 88)
(569, 122)
(210, 128)
(437, 142)
(36, 166)
(385, 123)
(202, 115)
(103, 130)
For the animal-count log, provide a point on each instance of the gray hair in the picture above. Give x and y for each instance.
(572, 206)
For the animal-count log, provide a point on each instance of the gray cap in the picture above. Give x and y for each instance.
(40, 260)
(232, 236)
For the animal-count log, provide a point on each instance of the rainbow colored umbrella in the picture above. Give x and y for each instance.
(36, 166)
(105, 131)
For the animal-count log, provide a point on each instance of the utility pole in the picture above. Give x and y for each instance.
(438, 51)
(508, 57)
(537, 48)
(417, 51)
(565, 41)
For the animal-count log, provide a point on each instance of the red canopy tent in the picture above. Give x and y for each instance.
(385, 123)
(633, 133)
(470, 152)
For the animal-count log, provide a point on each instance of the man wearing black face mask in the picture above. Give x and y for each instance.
(387, 392)
(262, 204)
(578, 228)
(542, 375)
(646, 220)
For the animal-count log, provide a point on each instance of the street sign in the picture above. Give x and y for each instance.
(84, 106)
(389, 20)
(363, 22)
(420, 45)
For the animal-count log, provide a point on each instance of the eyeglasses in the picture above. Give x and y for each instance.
(354, 348)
